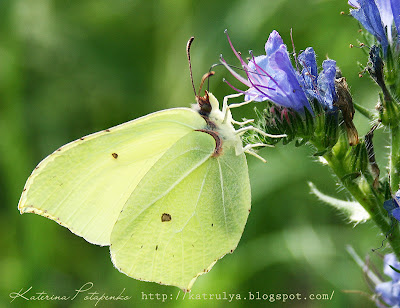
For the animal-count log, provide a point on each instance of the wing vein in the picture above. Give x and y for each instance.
(197, 201)
(145, 207)
(186, 174)
(223, 196)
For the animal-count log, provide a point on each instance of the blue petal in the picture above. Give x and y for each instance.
(310, 70)
(326, 83)
(261, 61)
(392, 206)
(354, 3)
(386, 13)
(396, 213)
(274, 43)
(389, 292)
(395, 4)
(390, 259)
(368, 16)
(389, 206)
(288, 85)
(254, 94)
(397, 197)
(307, 60)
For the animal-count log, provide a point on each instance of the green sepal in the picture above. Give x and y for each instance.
(351, 176)
(358, 158)
(321, 153)
(389, 111)
(301, 142)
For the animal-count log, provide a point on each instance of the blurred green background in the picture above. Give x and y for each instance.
(70, 68)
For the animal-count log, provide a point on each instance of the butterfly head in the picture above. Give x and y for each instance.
(207, 103)
(219, 122)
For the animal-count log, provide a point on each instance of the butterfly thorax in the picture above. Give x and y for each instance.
(219, 123)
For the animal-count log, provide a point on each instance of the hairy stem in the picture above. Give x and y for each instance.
(394, 158)
(368, 197)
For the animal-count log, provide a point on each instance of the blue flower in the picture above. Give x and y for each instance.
(320, 87)
(377, 18)
(392, 206)
(272, 77)
(390, 290)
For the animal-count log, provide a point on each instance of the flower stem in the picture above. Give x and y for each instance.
(364, 111)
(394, 158)
(368, 197)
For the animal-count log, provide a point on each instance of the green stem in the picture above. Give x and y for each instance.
(368, 197)
(364, 111)
(394, 158)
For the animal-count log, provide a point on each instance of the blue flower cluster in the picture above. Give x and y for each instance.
(377, 17)
(390, 290)
(272, 77)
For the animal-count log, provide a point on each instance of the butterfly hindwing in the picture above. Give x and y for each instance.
(187, 212)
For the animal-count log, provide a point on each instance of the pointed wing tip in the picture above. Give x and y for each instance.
(30, 209)
(22, 201)
(24, 208)
(34, 210)
(21, 209)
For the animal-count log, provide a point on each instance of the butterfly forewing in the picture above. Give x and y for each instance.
(85, 184)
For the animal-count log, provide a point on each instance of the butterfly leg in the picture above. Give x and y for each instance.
(256, 145)
(225, 106)
(242, 130)
(249, 150)
(226, 109)
(242, 123)
(240, 104)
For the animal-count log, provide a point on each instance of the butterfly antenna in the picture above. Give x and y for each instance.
(209, 71)
(205, 77)
(189, 43)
